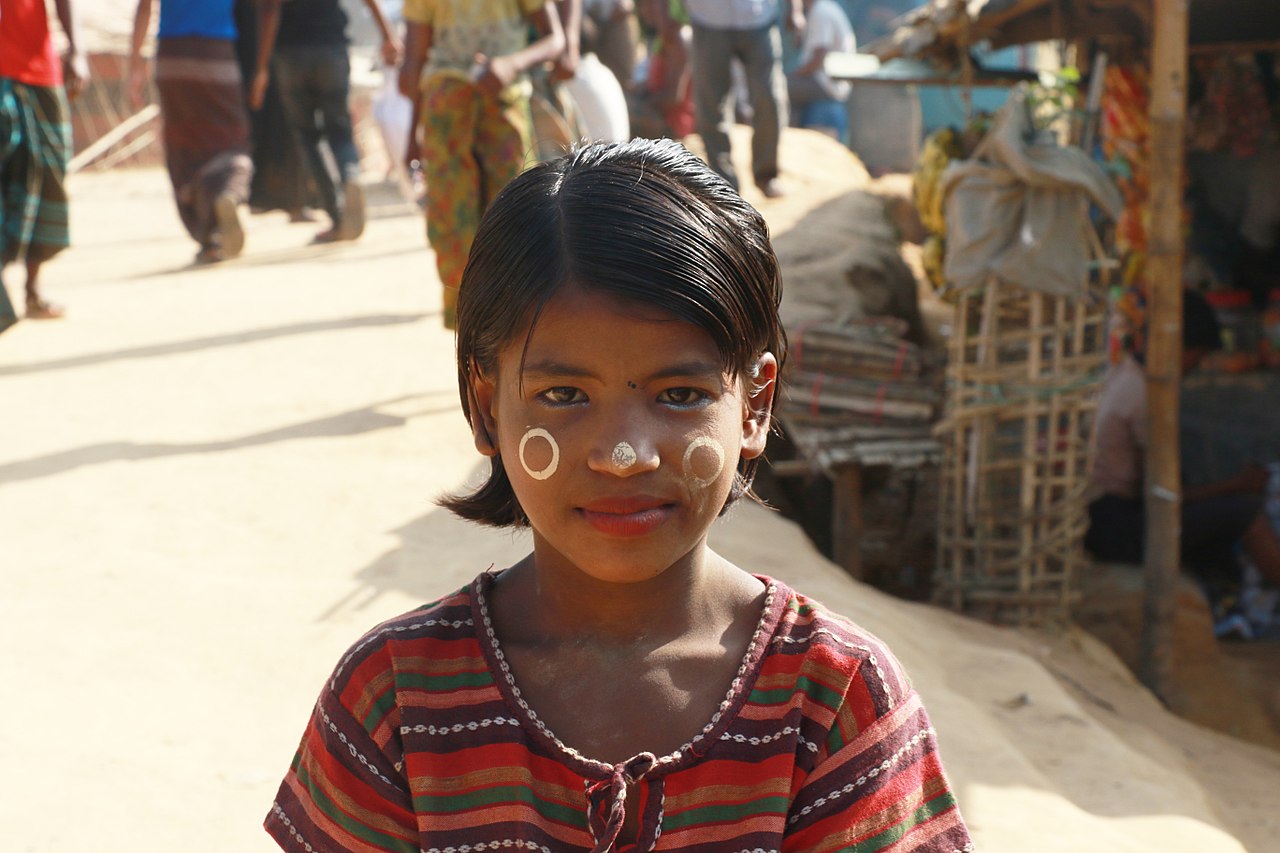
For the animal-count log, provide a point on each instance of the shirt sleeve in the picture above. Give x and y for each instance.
(346, 789)
(420, 11)
(878, 784)
(824, 32)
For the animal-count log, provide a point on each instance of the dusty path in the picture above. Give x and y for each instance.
(213, 480)
(206, 480)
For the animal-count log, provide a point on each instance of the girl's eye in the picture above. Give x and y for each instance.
(684, 397)
(562, 395)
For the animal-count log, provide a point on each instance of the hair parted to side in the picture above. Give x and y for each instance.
(643, 220)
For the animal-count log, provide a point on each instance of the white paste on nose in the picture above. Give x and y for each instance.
(544, 473)
(624, 456)
(712, 445)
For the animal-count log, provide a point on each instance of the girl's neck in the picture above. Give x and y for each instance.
(559, 603)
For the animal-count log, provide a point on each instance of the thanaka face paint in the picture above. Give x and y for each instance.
(715, 451)
(624, 456)
(548, 469)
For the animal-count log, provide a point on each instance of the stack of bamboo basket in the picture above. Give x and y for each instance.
(859, 393)
(1023, 372)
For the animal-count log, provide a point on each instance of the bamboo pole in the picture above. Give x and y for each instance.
(1029, 491)
(1164, 342)
(104, 143)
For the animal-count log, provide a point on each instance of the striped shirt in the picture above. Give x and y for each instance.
(421, 740)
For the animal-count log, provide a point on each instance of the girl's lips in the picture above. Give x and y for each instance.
(626, 517)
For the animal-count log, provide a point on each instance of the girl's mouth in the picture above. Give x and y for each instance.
(627, 517)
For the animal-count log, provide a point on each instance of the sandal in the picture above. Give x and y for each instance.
(210, 255)
(39, 309)
(230, 232)
(351, 226)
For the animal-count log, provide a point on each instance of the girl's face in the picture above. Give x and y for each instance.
(622, 436)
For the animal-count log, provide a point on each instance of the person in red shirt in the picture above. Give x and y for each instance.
(35, 142)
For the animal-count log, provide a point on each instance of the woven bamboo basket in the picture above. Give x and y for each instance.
(1023, 372)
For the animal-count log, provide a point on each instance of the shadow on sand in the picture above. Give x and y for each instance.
(434, 545)
(197, 344)
(355, 422)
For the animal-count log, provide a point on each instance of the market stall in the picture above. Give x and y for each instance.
(1148, 63)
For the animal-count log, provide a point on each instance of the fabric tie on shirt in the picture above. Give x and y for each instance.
(608, 799)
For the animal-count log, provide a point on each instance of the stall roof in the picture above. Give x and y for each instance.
(940, 27)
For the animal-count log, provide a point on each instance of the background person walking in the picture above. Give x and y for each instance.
(747, 30)
(206, 126)
(313, 71)
(281, 178)
(465, 64)
(35, 143)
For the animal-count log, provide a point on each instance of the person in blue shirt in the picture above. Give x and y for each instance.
(206, 125)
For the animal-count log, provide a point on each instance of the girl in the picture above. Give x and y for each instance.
(622, 687)
(473, 99)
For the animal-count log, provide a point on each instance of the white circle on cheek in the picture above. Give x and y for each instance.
(624, 455)
(544, 473)
(712, 445)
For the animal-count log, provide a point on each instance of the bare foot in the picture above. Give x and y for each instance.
(39, 309)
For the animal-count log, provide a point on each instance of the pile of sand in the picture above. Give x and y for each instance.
(839, 252)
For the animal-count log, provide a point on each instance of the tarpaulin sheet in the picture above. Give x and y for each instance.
(1019, 210)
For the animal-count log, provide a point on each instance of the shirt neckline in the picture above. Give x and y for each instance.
(776, 596)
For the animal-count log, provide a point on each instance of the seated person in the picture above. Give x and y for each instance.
(1215, 517)
(817, 101)
(1238, 195)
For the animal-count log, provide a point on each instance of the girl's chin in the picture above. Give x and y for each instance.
(628, 572)
(621, 564)
(625, 556)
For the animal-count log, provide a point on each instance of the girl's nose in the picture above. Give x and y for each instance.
(624, 458)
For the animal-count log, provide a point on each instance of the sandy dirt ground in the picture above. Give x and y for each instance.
(213, 480)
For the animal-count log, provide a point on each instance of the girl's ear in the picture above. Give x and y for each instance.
(484, 425)
(757, 405)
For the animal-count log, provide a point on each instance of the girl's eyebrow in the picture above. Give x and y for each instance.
(557, 368)
(699, 369)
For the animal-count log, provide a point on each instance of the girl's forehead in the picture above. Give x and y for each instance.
(574, 312)
(574, 300)
(605, 328)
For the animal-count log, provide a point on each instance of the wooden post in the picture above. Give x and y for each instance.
(1164, 338)
(846, 518)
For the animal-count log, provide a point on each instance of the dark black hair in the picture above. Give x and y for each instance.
(1200, 326)
(643, 220)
